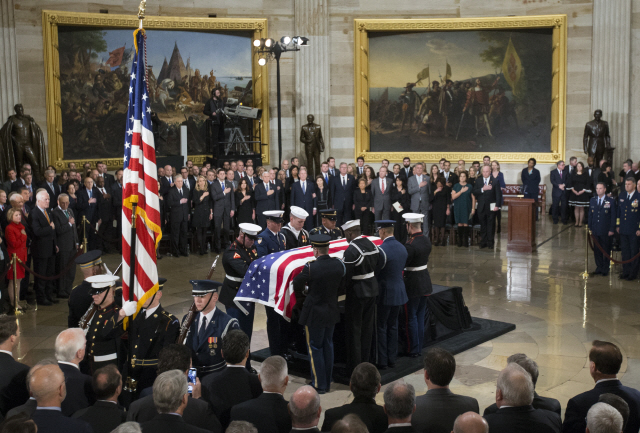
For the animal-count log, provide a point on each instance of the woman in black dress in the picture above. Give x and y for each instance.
(203, 212)
(399, 194)
(73, 198)
(245, 212)
(322, 198)
(362, 203)
(580, 192)
(606, 176)
(440, 203)
(369, 175)
(434, 174)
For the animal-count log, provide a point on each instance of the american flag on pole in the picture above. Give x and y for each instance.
(140, 189)
(269, 280)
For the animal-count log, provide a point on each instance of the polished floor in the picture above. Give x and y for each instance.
(557, 313)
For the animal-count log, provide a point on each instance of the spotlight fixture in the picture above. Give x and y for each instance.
(269, 43)
(301, 41)
(257, 43)
(262, 61)
(285, 40)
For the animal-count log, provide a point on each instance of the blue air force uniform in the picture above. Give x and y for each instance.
(602, 220)
(629, 223)
(269, 242)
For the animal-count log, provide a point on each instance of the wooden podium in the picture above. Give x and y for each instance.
(522, 225)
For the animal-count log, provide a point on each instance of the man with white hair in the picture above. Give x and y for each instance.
(70, 349)
(514, 395)
(268, 412)
(43, 249)
(305, 409)
(603, 418)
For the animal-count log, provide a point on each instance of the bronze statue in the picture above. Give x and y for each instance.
(597, 141)
(311, 136)
(22, 142)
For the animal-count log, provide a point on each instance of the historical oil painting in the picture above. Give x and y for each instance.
(183, 68)
(461, 91)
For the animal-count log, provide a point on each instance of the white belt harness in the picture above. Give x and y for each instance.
(239, 280)
(103, 358)
(363, 277)
(417, 268)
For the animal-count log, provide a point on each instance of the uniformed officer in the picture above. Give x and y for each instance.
(271, 240)
(392, 293)
(316, 289)
(328, 227)
(152, 329)
(629, 227)
(90, 264)
(208, 328)
(602, 224)
(294, 233)
(417, 281)
(360, 258)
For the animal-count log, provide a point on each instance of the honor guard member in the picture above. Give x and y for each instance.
(80, 301)
(328, 227)
(392, 293)
(602, 224)
(208, 328)
(316, 288)
(629, 227)
(271, 240)
(152, 329)
(294, 233)
(235, 261)
(417, 281)
(361, 286)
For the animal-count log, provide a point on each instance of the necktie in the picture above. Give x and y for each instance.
(203, 329)
(628, 196)
(486, 181)
(304, 188)
(89, 192)
(47, 216)
(560, 174)
(180, 192)
(382, 184)
(600, 202)
(344, 183)
(267, 187)
(222, 185)
(66, 213)
(103, 191)
(326, 178)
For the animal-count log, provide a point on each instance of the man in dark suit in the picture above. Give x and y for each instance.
(488, 193)
(178, 201)
(605, 360)
(67, 241)
(224, 205)
(450, 177)
(70, 350)
(43, 249)
(13, 374)
(51, 186)
(266, 197)
(303, 196)
(399, 405)
(364, 384)
(188, 183)
(305, 410)
(381, 193)
(559, 179)
(116, 203)
(530, 178)
(514, 395)
(268, 412)
(437, 410)
(12, 177)
(341, 190)
(406, 171)
(105, 414)
(87, 205)
(102, 172)
(105, 214)
(47, 385)
(171, 396)
(239, 173)
(166, 181)
(531, 367)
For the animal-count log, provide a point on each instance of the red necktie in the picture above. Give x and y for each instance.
(383, 186)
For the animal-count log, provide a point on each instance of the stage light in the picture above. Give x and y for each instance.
(269, 43)
(301, 41)
(285, 40)
(257, 42)
(262, 61)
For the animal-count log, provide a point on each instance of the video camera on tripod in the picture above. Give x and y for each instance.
(234, 111)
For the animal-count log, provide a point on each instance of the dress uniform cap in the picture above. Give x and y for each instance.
(250, 230)
(413, 217)
(89, 259)
(329, 214)
(320, 240)
(202, 287)
(385, 223)
(349, 224)
(100, 283)
(161, 282)
(298, 212)
(274, 215)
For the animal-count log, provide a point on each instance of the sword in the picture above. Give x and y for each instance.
(460, 126)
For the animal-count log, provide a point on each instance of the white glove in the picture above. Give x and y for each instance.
(130, 308)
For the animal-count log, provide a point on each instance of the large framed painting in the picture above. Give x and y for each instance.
(88, 58)
(461, 88)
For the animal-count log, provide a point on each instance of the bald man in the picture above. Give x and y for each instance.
(470, 422)
(305, 409)
(48, 388)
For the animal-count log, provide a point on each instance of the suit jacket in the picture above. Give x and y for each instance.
(556, 181)
(116, 200)
(578, 406)
(17, 184)
(105, 210)
(524, 419)
(530, 182)
(165, 185)
(304, 200)
(103, 416)
(545, 403)
(197, 413)
(179, 211)
(222, 203)
(263, 201)
(381, 201)
(268, 413)
(401, 429)
(403, 173)
(79, 390)
(52, 421)
(485, 198)
(371, 414)
(53, 193)
(167, 423)
(44, 240)
(13, 385)
(89, 210)
(28, 408)
(66, 234)
(437, 410)
(453, 178)
(233, 385)
(419, 196)
(342, 196)
(389, 273)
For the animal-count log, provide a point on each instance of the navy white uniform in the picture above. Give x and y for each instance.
(293, 240)
(418, 284)
(602, 220)
(629, 223)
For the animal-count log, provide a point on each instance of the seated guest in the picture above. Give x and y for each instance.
(47, 386)
(603, 418)
(618, 404)
(470, 422)
(170, 396)
(197, 413)
(128, 427)
(235, 384)
(241, 427)
(514, 391)
(437, 410)
(531, 367)
(30, 405)
(399, 405)
(70, 350)
(268, 412)
(13, 374)
(105, 414)
(351, 423)
(364, 384)
(604, 364)
(305, 410)
(19, 424)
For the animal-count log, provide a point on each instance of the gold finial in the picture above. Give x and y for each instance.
(141, 9)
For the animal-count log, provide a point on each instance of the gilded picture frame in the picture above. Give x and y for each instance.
(364, 28)
(52, 20)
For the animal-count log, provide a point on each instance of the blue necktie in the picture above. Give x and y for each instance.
(89, 192)
(267, 187)
(304, 188)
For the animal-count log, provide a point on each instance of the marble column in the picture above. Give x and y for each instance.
(610, 71)
(313, 90)
(9, 81)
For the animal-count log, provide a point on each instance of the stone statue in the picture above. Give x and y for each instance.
(22, 142)
(311, 136)
(597, 141)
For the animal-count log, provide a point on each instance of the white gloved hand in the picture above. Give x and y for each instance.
(130, 308)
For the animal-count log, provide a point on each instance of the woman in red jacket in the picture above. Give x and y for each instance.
(16, 238)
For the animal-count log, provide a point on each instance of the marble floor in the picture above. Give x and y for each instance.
(557, 313)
